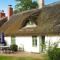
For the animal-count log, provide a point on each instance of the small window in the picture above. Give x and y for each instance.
(43, 43)
(13, 40)
(30, 23)
(34, 41)
(43, 39)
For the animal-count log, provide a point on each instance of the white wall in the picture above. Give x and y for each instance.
(52, 40)
(8, 40)
(26, 42)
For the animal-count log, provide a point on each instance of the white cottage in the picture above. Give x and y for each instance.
(33, 28)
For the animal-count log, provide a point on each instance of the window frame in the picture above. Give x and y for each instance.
(34, 41)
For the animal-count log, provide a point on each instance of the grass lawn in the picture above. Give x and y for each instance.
(17, 58)
(23, 56)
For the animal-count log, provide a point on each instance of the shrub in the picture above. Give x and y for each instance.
(54, 53)
(14, 47)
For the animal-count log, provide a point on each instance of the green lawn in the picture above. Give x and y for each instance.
(17, 58)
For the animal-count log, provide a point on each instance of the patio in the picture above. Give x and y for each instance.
(5, 49)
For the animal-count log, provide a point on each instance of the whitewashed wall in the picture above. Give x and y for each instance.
(8, 40)
(52, 40)
(26, 42)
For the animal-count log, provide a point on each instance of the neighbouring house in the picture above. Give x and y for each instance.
(32, 29)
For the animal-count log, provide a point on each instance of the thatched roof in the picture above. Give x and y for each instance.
(15, 23)
(47, 19)
(3, 20)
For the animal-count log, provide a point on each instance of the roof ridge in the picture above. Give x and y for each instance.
(54, 3)
(3, 18)
(26, 11)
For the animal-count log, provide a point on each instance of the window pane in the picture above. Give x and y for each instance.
(34, 41)
(30, 22)
(43, 43)
(43, 39)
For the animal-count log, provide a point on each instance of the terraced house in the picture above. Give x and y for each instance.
(32, 28)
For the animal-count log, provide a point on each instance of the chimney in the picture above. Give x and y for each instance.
(10, 11)
(40, 3)
(2, 14)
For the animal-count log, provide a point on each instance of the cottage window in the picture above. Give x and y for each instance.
(30, 23)
(43, 43)
(34, 41)
(12, 39)
(43, 39)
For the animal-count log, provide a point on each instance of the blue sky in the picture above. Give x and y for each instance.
(4, 3)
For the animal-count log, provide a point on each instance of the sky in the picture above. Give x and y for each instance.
(4, 4)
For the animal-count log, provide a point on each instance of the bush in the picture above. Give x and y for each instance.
(14, 47)
(54, 53)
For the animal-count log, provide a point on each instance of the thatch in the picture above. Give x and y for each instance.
(3, 20)
(47, 20)
(16, 21)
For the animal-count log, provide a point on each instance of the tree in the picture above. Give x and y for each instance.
(22, 5)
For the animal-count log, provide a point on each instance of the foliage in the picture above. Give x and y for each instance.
(22, 5)
(14, 47)
(54, 53)
(43, 47)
